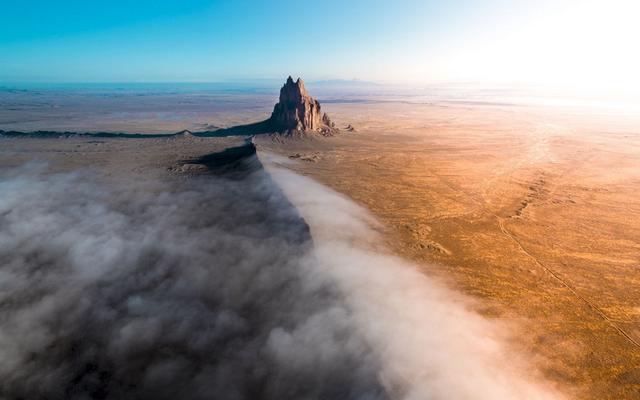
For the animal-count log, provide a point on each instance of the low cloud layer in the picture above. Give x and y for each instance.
(213, 288)
(154, 291)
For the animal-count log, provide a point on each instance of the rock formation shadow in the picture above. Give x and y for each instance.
(240, 130)
(233, 162)
(256, 128)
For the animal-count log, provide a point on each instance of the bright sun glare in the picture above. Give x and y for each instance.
(576, 44)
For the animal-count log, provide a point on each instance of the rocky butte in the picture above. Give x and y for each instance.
(297, 111)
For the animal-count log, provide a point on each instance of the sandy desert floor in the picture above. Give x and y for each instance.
(534, 211)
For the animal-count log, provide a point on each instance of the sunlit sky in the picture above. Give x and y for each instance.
(579, 43)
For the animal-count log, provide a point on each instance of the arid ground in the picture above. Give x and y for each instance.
(532, 211)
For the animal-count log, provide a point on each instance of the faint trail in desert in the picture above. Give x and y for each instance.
(540, 152)
(564, 283)
(537, 153)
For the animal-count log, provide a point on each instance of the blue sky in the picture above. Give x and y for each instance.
(191, 40)
(394, 41)
(194, 40)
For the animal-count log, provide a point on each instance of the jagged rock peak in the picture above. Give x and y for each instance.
(298, 111)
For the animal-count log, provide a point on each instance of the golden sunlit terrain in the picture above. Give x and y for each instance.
(533, 211)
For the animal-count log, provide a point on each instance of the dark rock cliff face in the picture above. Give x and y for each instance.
(298, 111)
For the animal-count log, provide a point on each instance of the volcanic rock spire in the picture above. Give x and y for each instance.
(298, 111)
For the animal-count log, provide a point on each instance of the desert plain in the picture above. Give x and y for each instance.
(531, 210)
